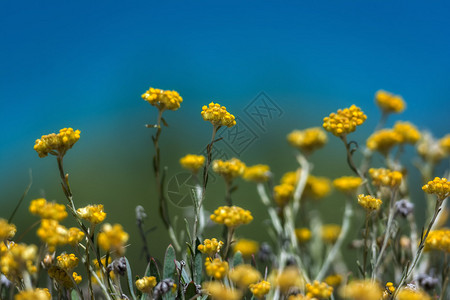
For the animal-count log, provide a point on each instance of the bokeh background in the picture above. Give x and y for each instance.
(85, 64)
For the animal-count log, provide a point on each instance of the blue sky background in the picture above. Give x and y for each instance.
(84, 64)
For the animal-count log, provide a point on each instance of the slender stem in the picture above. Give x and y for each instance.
(228, 192)
(272, 213)
(91, 291)
(300, 187)
(208, 161)
(335, 250)
(366, 250)
(386, 234)
(229, 240)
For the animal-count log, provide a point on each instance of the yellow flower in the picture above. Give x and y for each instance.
(389, 103)
(61, 276)
(257, 173)
(246, 247)
(146, 284)
(52, 233)
(347, 184)
(57, 144)
(48, 210)
(192, 162)
(260, 289)
(163, 99)
(7, 231)
(244, 275)
(444, 143)
(408, 132)
(74, 236)
(36, 294)
(385, 177)
(291, 178)
(16, 259)
(317, 187)
(217, 115)
(439, 186)
(283, 193)
(77, 278)
(438, 240)
(92, 213)
(218, 291)
(334, 280)
(210, 246)
(362, 290)
(344, 121)
(231, 216)
(330, 233)
(303, 235)
(216, 268)
(113, 238)
(229, 169)
(383, 140)
(388, 290)
(67, 262)
(369, 203)
(409, 294)
(319, 290)
(430, 149)
(289, 278)
(308, 140)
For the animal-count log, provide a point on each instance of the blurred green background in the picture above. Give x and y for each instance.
(85, 66)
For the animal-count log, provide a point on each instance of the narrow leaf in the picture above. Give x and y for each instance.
(237, 259)
(130, 279)
(198, 264)
(169, 263)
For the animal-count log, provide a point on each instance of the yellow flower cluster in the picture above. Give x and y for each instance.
(229, 169)
(385, 177)
(218, 291)
(389, 102)
(244, 275)
(408, 132)
(289, 278)
(291, 178)
(52, 233)
(192, 162)
(388, 290)
(112, 238)
(7, 231)
(317, 187)
(36, 294)
(438, 240)
(17, 258)
(438, 186)
(231, 216)
(333, 280)
(362, 290)
(57, 144)
(344, 121)
(48, 210)
(210, 246)
(218, 115)
(163, 99)
(61, 276)
(257, 173)
(99, 272)
(383, 140)
(307, 140)
(74, 236)
(369, 203)
(319, 290)
(246, 247)
(67, 262)
(410, 294)
(146, 284)
(330, 233)
(216, 268)
(282, 193)
(92, 213)
(260, 289)
(303, 235)
(347, 184)
(432, 150)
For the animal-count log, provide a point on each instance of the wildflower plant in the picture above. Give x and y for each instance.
(393, 256)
